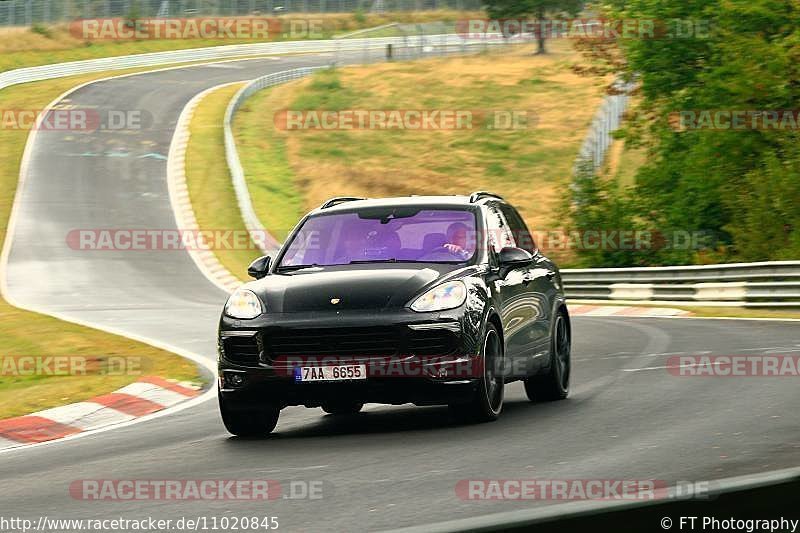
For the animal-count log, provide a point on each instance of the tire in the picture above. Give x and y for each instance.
(349, 408)
(554, 384)
(487, 404)
(249, 423)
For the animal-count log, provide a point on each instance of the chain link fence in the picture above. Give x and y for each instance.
(606, 122)
(410, 46)
(30, 12)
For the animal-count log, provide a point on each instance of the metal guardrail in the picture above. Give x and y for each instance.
(769, 284)
(60, 70)
(266, 242)
(772, 284)
(766, 284)
(406, 48)
(599, 138)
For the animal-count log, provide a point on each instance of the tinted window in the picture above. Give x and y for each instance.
(385, 234)
(500, 234)
(522, 235)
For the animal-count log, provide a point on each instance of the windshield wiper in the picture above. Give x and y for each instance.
(368, 261)
(290, 268)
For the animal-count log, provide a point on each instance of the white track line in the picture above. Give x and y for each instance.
(181, 203)
(205, 362)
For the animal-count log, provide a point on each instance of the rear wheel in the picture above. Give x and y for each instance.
(554, 385)
(256, 423)
(487, 404)
(342, 408)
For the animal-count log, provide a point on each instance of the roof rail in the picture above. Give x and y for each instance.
(478, 195)
(340, 200)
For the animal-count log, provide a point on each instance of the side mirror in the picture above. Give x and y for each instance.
(511, 257)
(259, 268)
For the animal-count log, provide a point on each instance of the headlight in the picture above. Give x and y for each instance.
(243, 304)
(445, 296)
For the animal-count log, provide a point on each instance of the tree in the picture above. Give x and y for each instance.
(539, 9)
(739, 186)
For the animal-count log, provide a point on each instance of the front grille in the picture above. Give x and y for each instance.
(368, 342)
(243, 350)
(432, 342)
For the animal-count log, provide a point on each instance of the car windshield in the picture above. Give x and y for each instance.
(379, 235)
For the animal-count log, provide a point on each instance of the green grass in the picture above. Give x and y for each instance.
(743, 312)
(31, 334)
(266, 163)
(209, 182)
(294, 171)
(630, 159)
(275, 192)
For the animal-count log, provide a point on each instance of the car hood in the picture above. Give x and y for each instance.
(354, 288)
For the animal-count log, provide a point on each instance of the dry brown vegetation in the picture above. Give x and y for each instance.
(532, 166)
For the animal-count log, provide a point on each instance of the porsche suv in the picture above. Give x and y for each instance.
(435, 300)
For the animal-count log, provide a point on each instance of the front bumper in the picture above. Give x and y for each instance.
(420, 358)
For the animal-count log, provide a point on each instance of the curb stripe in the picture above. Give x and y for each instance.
(169, 385)
(625, 311)
(34, 429)
(128, 404)
(141, 398)
(153, 393)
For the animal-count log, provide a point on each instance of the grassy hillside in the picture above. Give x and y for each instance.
(292, 171)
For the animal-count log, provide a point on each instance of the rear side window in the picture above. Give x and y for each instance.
(500, 234)
(522, 236)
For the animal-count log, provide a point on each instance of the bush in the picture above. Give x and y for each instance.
(42, 30)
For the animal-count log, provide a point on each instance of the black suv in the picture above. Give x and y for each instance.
(436, 300)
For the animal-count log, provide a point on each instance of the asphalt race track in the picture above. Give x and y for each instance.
(388, 466)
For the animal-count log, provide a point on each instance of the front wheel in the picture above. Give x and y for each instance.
(256, 423)
(554, 385)
(487, 404)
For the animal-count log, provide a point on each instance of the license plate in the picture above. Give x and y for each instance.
(330, 373)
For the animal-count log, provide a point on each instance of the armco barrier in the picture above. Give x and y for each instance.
(416, 44)
(60, 70)
(268, 244)
(766, 284)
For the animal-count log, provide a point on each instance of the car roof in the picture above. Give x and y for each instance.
(354, 204)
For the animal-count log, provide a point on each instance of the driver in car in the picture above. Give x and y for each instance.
(458, 243)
